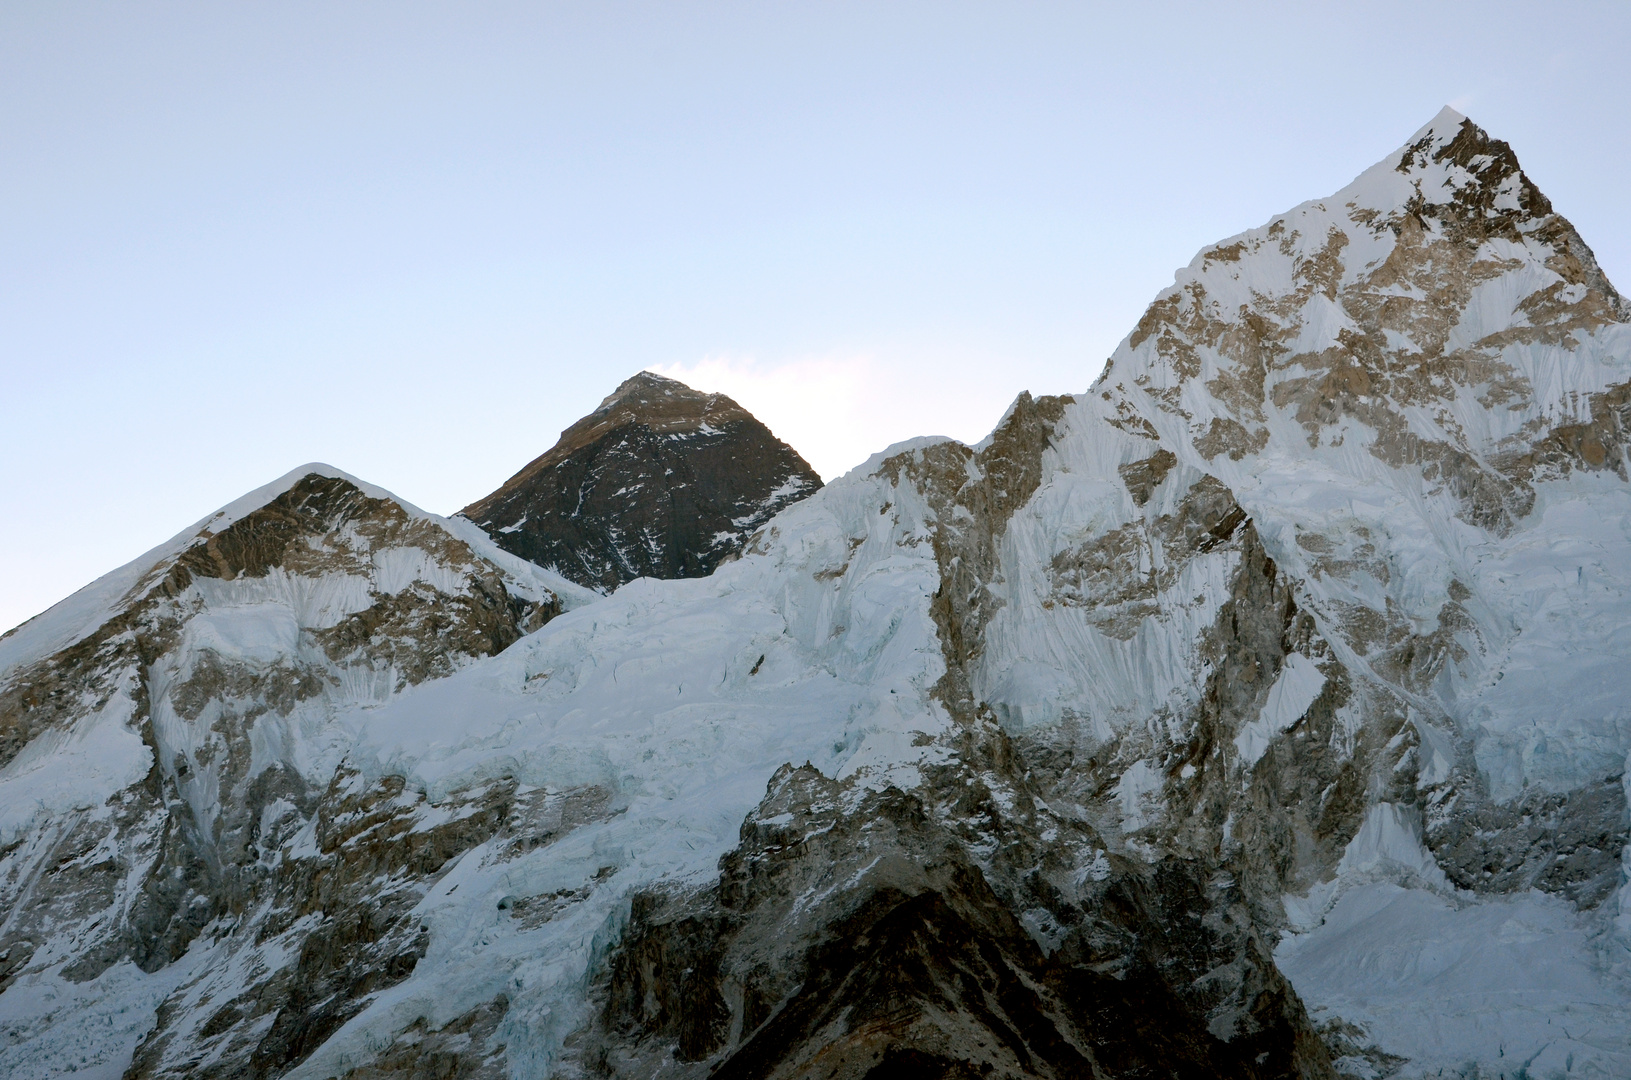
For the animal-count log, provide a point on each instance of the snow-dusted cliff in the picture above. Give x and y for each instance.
(1263, 711)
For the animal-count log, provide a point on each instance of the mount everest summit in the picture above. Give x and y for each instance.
(1262, 711)
(659, 481)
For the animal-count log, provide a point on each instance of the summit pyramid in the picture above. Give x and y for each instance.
(658, 481)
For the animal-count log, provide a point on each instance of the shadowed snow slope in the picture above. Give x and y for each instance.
(1260, 712)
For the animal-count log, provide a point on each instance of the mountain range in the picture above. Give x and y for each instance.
(1261, 711)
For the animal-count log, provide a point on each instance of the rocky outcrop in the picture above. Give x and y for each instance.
(303, 950)
(856, 934)
(659, 481)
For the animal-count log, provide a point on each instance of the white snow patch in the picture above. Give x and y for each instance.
(1509, 983)
(1140, 783)
(76, 769)
(1387, 847)
(316, 601)
(397, 568)
(50, 1027)
(1298, 684)
(791, 486)
(1443, 977)
(1389, 843)
(254, 633)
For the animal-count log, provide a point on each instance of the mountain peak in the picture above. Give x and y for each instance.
(1454, 162)
(660, 480)
(1436, 315)
(647, 390)
(1446, 122)
(664, 404)
(648, 381)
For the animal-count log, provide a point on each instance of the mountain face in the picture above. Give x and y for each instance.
(1261, 712)
(659, 481)
(158, 760)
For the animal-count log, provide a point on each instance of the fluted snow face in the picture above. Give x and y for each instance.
(1417, 390)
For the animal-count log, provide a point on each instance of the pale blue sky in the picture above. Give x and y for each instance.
(417, 240)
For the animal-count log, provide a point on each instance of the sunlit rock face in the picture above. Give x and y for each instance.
(659, 481)
(1261, 712)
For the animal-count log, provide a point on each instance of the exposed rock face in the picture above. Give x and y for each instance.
(659, 481)
(855, 934)
(1261, 712)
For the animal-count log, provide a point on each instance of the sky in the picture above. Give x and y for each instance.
(417, 240)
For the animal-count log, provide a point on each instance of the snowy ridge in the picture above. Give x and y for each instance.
(254, 620)
(71, 619)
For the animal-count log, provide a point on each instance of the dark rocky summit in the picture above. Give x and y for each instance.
(659, 481)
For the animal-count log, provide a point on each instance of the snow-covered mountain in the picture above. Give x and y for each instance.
(1263, 711)
(659, 481)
